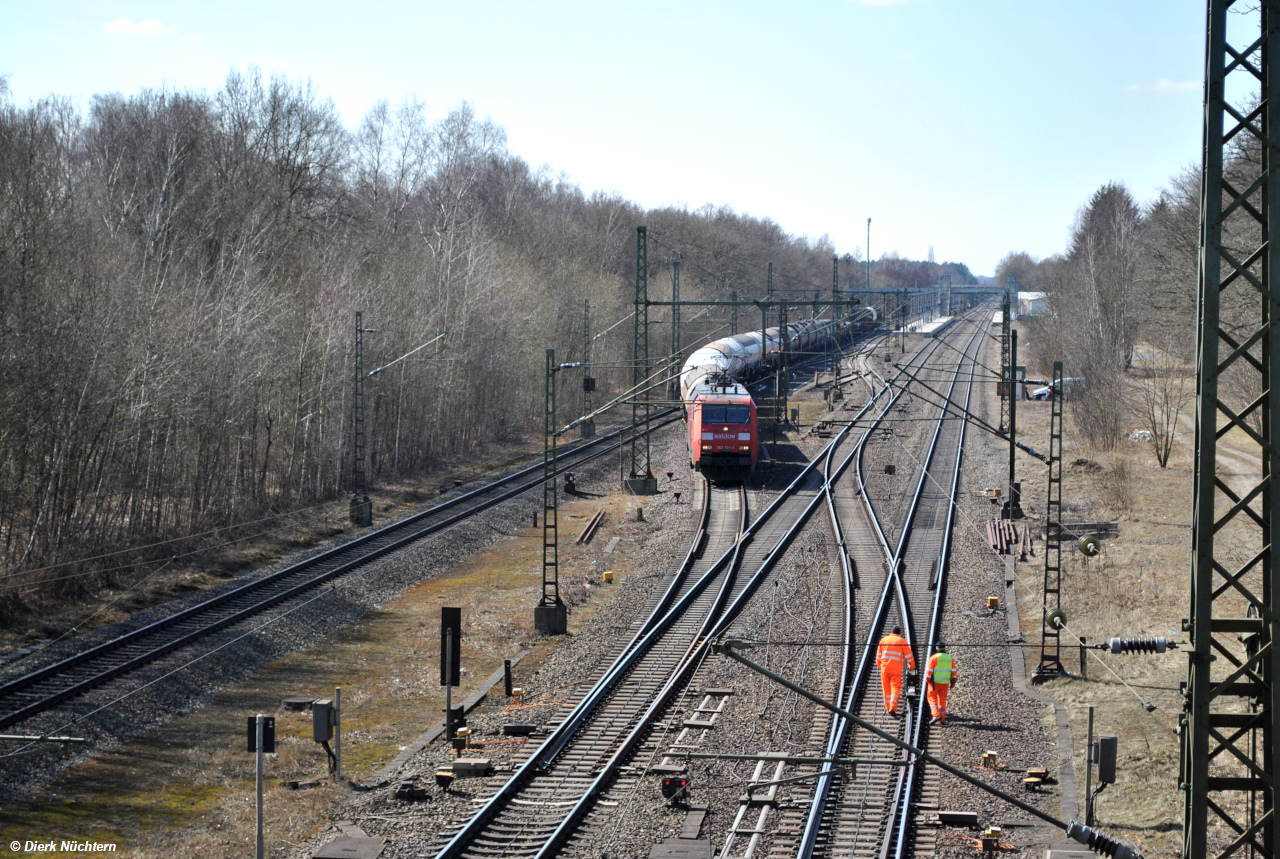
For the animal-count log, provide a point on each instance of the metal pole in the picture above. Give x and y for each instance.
(337, 733)
(1088, 775)
(448, 686)
(1050, 624)
(360, 512)
(587, 386)
(361, 474)
(260, 852)
(1231, 702)
(641, 468)
(868, 255)
(675, 322)
(1006, 318)
(836, 309)
(1013, 417)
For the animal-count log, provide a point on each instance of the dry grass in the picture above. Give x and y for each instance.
(1138, 586)
(188, 788)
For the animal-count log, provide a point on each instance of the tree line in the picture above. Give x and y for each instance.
(1121, 307)
(179, 275)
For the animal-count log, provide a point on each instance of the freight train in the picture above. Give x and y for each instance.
(724, 441)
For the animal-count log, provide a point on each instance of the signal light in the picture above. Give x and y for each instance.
(675, 788)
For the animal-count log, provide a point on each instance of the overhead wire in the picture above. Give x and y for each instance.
(1044, 605)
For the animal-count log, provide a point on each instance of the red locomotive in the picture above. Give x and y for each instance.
(724, 442)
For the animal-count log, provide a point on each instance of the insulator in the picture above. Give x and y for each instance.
(1138, 645)
(1099, 842)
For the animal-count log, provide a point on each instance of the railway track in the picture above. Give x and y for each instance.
(522, 813)
(28, 695)
(868, 813)
(864, 554)
(551, 804)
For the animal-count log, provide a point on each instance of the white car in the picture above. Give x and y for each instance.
(1067, 385)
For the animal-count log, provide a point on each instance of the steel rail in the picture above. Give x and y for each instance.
(935, 620)
(915, 715)
(661, 618)
(856, 686)
(703, 644)
(369, 547)
(686, 663)
(564, 733)
(839, 727)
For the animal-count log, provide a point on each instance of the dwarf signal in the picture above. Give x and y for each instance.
(676, 790)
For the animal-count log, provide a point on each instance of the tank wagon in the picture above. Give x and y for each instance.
(724, 441)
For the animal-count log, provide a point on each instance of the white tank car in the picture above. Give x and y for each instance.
(745, 355)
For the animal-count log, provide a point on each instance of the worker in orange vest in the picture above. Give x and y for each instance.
(893, 656)
(939, 676)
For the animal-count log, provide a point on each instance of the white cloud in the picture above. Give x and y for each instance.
(1164, 85)
(147, 27)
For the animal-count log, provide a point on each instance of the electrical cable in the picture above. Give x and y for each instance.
(978, 530)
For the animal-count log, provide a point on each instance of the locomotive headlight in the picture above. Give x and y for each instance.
(706, 447)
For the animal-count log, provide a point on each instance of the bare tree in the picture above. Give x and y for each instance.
(1165, 389)
(1094, 317)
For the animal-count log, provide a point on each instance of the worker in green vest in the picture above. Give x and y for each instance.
(940, 675)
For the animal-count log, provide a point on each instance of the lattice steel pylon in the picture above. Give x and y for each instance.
(642, 481)
(676, 346)
(360, 509)
(1006, 322)
(1228, 725)
(1052, 620)
(550, 614)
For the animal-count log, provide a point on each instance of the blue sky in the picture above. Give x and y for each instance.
(974, 127)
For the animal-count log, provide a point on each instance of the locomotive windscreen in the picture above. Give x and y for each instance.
(726, 414)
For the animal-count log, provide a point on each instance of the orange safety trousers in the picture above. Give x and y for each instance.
(891, 685)
(936, 694)
(892, 656)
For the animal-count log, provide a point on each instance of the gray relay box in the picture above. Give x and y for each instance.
(322, 718)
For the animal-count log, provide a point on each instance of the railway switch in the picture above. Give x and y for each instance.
(990, 759)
